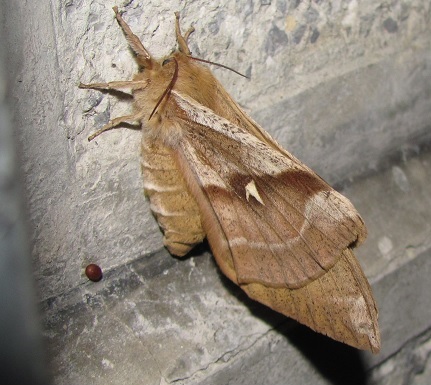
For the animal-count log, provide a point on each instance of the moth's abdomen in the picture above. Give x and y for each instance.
(173, 206)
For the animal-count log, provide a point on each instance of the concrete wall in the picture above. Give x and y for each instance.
(344, 85)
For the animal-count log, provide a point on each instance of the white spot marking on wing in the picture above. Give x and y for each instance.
(250, 189)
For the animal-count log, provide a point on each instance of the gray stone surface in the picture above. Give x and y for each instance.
(411, 365)
(344, 85)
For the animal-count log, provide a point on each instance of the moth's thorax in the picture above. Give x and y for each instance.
(196, 81)
(192, 80)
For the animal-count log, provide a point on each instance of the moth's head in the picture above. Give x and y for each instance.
(160, 77)
(164, 67)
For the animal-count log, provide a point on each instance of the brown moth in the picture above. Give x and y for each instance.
(276, 228)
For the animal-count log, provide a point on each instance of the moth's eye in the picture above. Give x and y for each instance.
(166, 61)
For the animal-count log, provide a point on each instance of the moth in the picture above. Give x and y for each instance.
(275, 228)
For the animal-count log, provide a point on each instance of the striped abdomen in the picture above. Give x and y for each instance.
(173, 206)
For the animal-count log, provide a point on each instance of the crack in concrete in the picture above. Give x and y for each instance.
(230, 354)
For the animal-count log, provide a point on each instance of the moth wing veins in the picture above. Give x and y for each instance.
(284, 225)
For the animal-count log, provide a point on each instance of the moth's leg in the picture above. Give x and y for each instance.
(143, 55)
(136, 117)
(182, 40)
(132, 84)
